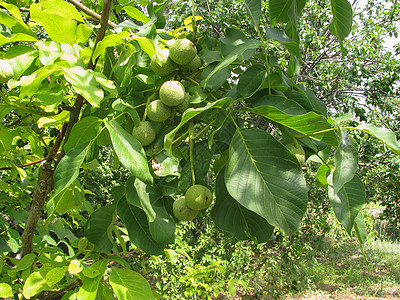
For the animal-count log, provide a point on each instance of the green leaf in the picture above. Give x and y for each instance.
(68, 168)
(15, 21)
(85, 84)
(5, 290)
(310, 124)
(254, 9)
(20, 58)
(238, 50)
(322, 174)
(342, 21)
(130, 152)
(136, 14)
(146, 45)
(282, 103)
(128, 284)
(90, 286)
(230, 216)
(71, 198)
(18, 37)
(161, 225)
(60, 8)
(55, 275)
(26, 262)
(263, 176)
(278, 11)
(280, 36)
(348, 202)
(251, 80)
(190, 114)
(85, 130)
(361, 229)
(98, 228)
(110, 41)
(346, 162)
(385, 135)
(59, 29)
(35, 283)
(49, 51)
(135, 220)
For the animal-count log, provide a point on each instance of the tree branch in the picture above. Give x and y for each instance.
(90, 12)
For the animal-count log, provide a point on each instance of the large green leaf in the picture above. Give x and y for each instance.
(85, 84)
(20, 58)
(254, 9)
(263, 176)
(346, 162)
(190, 114)
(342, 20)
(282, 103)
(135, 220)
(14, 21)
(230, 216)
(161, 225)
(136, 14)
(85, 130)
(130, 152)
(311, 124)
(278, 11)
(128, 284)
(68, 168)
(35, 283)
(348, 202)
(385, 135)
(98, 228)
(110, 41)
(360, 228)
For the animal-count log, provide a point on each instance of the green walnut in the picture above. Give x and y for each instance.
(162, 64)
(298, 151)
(6, 72)
(191, 67)
(183, 51)
(158, 111)
(144, 133)
(184, 105)
(182, 211)
(198, 197)
(172, 93)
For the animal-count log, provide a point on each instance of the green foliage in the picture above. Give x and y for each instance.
(236, 101)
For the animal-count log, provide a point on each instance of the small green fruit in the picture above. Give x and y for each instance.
(158, 111)
(298, 152)
(182, 211)
(191, 67)
(184, 105)
(198, 197)
(6, 72)
(182, 51)
(172, 93)
(164, 65)
(144, 133)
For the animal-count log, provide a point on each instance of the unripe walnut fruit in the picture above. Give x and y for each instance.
(198, 197)
(172, 93)
(144, 133)
(182, 51)
(158, 111)
(182, 211)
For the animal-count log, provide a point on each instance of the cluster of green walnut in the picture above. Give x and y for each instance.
(196, 198)
(181, 55)
(172, 96)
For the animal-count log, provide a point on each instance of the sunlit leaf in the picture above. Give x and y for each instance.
(128, 284)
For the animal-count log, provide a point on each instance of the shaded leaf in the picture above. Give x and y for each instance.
(342, 20)
(135, 220)
(311, 124)
(230, 216)
(254, 9)
(346, 162)
(348, 202)
(99, 226)
(263, 176)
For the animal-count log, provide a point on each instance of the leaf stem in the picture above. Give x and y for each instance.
(191, 146)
